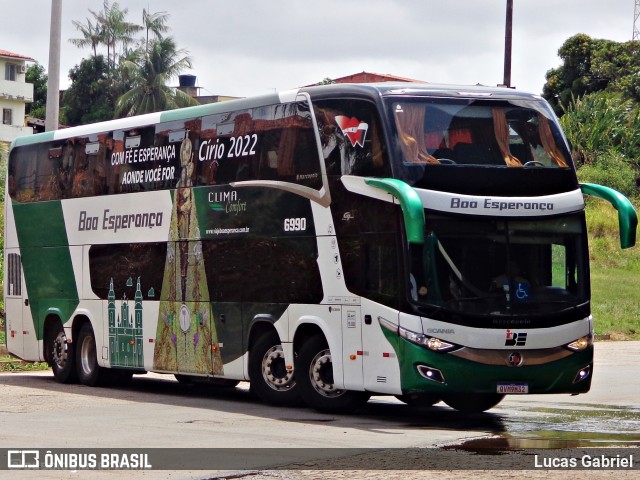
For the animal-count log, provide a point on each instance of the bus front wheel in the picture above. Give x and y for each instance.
(89, 372)
(60, 355)
(314, 373)
(472, 402)
(270, 379)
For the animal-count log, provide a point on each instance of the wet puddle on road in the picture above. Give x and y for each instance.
(570, 427)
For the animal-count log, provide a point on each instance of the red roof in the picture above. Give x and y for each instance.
(6, 53)
(368, 77)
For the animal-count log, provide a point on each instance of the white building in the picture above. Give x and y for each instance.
(14, 95)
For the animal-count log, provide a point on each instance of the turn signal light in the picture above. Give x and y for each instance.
(581, 344)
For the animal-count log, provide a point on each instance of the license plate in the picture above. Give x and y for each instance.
(513, 388)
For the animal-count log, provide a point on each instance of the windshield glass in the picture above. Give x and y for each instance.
(509, 134)
(482, 267)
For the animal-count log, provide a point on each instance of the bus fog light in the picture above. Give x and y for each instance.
(583, 374)
(431, 373)
(581, 344)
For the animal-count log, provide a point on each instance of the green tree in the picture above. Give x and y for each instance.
(90, 97)
(591, 65)
(149, 74)
(135, 71)
(37, 76)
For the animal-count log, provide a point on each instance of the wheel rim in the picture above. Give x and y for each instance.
(274, 370)
(60, 352)
(321, 375)
(87, 354)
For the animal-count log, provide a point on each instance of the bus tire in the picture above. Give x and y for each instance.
(314, 374)
(270, 380)
(60, 355)
(89, 372)
(419, 399)
(472, 402)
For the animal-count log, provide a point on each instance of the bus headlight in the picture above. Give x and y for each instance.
(580, 344)
(432, 343)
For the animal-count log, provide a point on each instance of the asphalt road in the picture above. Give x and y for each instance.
(158, 412)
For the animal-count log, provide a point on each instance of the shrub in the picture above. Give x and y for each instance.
(612, 170)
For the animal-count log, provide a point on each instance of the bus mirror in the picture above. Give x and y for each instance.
(627, 217)
(412, 209)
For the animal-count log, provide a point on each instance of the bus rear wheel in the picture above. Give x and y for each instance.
(270, 379)
(89, 372)
(60, 355)
(314, 369)
(472, 402)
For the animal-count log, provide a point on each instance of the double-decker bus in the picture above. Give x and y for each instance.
(326, 244)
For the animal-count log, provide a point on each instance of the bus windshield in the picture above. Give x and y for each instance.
(500, 267)
(475, 132)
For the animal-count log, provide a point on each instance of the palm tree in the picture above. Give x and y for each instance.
(149, 73)
(115, 29)
(91, 35)
(154, 22)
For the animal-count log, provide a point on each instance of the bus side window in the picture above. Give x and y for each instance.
(351, 138)
(52, 182)
(23, 166)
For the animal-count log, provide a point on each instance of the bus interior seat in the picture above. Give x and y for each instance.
(477, 154)
(519, 151)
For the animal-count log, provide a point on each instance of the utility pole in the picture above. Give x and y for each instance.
(507, 44)
(53, 84)
(636, 14)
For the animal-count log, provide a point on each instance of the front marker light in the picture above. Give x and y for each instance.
(581, 344)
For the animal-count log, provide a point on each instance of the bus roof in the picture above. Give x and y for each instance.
(370, 90)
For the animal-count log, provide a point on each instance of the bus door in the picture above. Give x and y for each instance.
(21, 333)
(380, 361)
(226, 341)
(353, 353)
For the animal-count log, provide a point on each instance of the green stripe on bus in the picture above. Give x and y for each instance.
(32, 139)
(219, 107)
(46, 260)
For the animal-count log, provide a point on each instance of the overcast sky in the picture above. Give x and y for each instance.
(249, 47)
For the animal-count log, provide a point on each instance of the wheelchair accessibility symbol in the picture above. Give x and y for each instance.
(522, 291)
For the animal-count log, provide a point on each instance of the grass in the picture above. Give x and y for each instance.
(615, 275)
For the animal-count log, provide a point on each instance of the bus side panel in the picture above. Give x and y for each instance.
(46, 261)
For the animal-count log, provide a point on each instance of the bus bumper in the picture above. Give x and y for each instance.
(423, 370)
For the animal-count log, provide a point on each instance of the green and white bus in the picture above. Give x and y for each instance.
(326, 244)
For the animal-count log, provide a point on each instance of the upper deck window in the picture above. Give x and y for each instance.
(477, 132)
